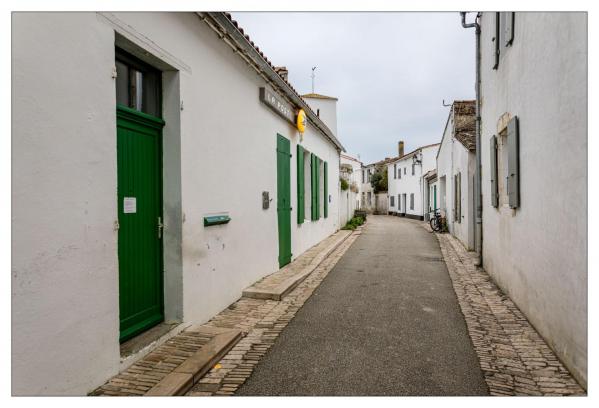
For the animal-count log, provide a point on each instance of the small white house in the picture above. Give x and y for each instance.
(148, 148)
(431, 198)
(534, 146)
(367, 199)
(407, 185)
(456, 162)
(349, 200)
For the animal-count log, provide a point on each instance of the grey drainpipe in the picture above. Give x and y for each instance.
(478, 232)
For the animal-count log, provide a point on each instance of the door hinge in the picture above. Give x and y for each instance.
(116, 225)
(114, 72)
(160, 227)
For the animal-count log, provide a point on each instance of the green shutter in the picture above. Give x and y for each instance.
(513, 181)
(313, 182)
(493, 165)
(300, 185)
(317, 188)
(326, 191)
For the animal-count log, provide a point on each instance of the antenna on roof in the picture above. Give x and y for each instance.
(313, 75)
(446, 104)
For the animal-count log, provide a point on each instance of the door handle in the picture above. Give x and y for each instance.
(160, 227)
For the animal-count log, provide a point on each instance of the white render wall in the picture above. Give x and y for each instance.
(327, 109)
(411, 184)
(454, 158)
(65, 321)
(538, 252)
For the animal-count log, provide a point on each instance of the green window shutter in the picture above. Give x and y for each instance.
(513, 163)
(313, 186)
(317, 178)
(326, 191)
(494, 185)
(300, 185)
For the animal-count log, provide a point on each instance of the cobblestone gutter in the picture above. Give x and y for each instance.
(514, 358)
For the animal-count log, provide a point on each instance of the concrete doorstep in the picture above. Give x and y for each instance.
(280, 283)
(195, 367)
(175, 366)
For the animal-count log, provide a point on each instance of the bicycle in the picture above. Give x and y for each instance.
(437, 221)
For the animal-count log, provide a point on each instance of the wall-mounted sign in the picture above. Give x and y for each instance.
(129, 205)
(301, 121)
(278, 105)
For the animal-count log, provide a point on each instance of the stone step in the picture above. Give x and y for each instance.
(183, 378)
(280, 283)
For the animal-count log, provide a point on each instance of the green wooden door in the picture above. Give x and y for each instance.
(139, 165)
(284, 199)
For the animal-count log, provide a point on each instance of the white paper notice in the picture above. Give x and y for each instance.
(130, 205)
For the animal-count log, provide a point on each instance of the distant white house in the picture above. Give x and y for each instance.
(407, 185)
(534, 146)
(349, 200)
(431, 197)
(367, 200)
(456, 162)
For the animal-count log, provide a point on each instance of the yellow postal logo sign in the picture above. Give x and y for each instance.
(301, 122)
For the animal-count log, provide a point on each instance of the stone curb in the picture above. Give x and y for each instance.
(288, 285)
(183, 378)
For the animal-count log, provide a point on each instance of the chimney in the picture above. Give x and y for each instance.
(283, 72)
(400, 148)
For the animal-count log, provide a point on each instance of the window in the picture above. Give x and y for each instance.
(505, 166)
(369, 198)
(413, 169)
(392, 199)
(363, 176)
(138, 85)
(399, 201)
(412, 201)
(404, 170)
(395, 170)
(457, 194)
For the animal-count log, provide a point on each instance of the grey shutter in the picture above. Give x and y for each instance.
(508, 26)
(494, 186)
(513, 163)
(496, 42)
(460, 197)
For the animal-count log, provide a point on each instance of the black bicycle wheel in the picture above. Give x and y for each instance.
(434, 224)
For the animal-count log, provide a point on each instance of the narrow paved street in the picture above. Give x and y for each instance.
(385, 321)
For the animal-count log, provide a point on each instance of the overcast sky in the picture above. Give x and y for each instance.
(390, 71)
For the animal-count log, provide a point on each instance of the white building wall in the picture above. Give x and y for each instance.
(537, 253)
(63, 205)
(454, 158)
(327, 110)
(410, 184)
(65, 267)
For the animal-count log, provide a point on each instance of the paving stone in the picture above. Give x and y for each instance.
(508, 347)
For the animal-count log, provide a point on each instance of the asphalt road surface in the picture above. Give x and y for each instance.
(385, 321)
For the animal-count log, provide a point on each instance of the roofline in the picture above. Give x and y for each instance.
(444, 130)
(349, 157)
(405, 156)
(319, 96)
(245, 48)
